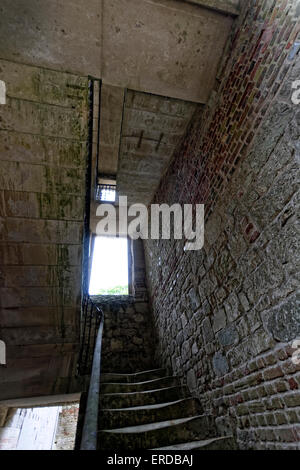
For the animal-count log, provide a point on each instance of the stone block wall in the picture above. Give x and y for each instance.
(137, 269)
(226, 316)
(128, 344)
(43, 132)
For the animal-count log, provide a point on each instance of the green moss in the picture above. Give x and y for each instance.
(71, 154)
(49, 179)
(64, 203)
(36, 83)
(63, 255)
(39, 199)
(46, 230)
(63, 267)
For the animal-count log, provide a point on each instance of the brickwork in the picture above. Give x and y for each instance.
(66, 428)
(43, 131)
(226, 315)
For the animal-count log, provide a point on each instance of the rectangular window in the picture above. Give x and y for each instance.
(109, 275)
(106, 188)
(106, 193)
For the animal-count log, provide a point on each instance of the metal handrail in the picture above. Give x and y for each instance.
(90, 426)
(91, 315)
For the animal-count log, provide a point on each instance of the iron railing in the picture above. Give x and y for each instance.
(91, 318)
(90, 363)
(92, 163)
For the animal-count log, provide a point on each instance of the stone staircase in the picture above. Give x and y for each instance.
(150, 410)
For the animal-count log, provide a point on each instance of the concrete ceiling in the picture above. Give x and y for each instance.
(152, 127)
(168, 52)
(166, 47)
(112, 100)
(170, 48)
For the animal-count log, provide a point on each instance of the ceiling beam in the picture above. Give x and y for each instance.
(230, 7)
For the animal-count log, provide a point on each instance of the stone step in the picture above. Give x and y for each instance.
(137, 377)
(160, 434)
(149, 414)
(150, 397)
(153, 384)
(216, 443)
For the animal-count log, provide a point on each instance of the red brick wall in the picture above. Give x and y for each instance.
(226, 315)
(253, 70)
(66, 428)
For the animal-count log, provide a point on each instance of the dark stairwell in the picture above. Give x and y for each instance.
(137, 408)
(211, 116)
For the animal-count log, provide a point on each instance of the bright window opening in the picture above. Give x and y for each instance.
(109, 275)
(39, 428)
(106, 190)
(108, 194)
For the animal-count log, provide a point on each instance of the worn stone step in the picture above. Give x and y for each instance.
(155, 384)
(160, 434)
(216, 443)
(149, 414)
(150, 397)
(136, 377)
